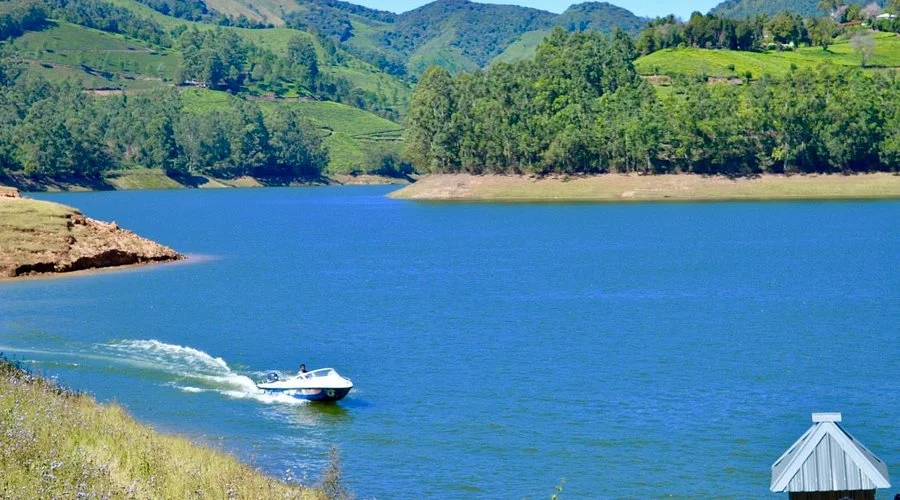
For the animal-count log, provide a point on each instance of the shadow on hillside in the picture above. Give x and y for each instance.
(293, 181)
(189, 180)
(40, 183)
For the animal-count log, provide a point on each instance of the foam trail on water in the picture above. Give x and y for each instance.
(199, 368)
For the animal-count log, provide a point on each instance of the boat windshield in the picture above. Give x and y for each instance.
(321, 372)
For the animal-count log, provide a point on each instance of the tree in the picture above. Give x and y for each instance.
(249, 139)
(433, 141)
(213, 59)
(785, 28)
(302, 52)
(822, 32)
(296, 150)
(830, 6)
(863, 43)
(871, 11)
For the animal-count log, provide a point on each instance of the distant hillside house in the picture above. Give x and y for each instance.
(886, 16)
(827, 463)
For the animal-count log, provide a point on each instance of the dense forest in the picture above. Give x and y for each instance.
(781, 31)
(56, 130)
(745, 9)
(579, 107)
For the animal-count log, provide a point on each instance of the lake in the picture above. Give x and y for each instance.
(635, 350)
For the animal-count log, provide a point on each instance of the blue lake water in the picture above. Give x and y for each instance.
(633, 349)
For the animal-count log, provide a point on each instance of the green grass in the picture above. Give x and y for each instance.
(58, 73)
(98, 58)
(235, 8)
(715, 63)
(440, 51)
(57, 444)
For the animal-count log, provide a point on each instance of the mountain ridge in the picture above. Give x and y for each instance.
(741, 9)
(455, 34)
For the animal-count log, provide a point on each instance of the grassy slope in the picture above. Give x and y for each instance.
(43, 223)
(523, 48)
(440, 51)
(714, 62)
(359, 73)
(54, 444)
(353, 136)
(105, 60)
(236, 8)
(618, 187)
(68, 50)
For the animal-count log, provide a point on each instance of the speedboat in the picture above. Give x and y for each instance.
(324, 384)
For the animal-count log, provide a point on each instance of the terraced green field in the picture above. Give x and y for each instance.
(101, 60)
(716, 63)
(97, 58)
(360, 74)
(355, 138)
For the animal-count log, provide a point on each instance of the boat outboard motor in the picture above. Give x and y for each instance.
(272, 377)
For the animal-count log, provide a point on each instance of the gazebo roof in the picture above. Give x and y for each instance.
(828, 458)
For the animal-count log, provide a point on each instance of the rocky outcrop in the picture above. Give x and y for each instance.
(41, 237)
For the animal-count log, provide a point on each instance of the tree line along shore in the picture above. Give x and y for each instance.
(576, 105)
(579, 107)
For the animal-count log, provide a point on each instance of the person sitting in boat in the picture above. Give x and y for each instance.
(302, 368)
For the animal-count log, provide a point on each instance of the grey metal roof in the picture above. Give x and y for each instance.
(828, 458)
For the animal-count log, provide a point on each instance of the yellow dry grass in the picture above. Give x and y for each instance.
(55, 444)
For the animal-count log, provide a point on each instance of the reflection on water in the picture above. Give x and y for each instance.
(315, 414)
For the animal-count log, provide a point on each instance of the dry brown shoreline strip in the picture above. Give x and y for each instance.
(625, 188)
(41, 237)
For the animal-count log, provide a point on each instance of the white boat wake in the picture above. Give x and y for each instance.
(196, 371)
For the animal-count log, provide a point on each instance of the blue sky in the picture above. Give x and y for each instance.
(650, 8)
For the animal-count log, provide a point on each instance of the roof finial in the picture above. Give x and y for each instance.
(826, 417)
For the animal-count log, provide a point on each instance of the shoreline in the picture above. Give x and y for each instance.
(150, 178)
(189, 259)
(40, 238)
(624, 188)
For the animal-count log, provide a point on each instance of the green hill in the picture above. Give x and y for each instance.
(740, 9)
(456, 34)
(589, 16)
(100, 60)
(362, 75)
(109, 63)
(729, 63)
